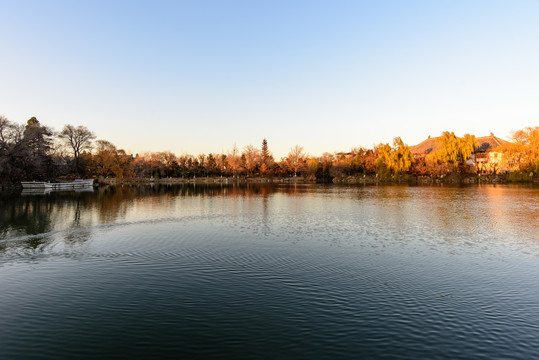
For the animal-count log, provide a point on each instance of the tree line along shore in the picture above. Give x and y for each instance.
(34, 151)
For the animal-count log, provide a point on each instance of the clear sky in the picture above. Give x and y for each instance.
(197, 76)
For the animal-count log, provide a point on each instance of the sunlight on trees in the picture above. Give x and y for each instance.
(453, 151)
(234, 160)
(523, 152)
(295, 161)
(266, 161)
(251, 158)
(394, 160)
(28, 152)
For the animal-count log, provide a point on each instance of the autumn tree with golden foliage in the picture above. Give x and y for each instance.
(523, 153)
(28, 152)
(251, 159)
(394, 160)
(110, 161)
(453, 151)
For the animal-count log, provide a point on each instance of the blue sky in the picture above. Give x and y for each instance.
(198, 76)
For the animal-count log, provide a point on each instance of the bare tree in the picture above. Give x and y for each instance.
(234, 160)
(11, 146)
(296, 159)
(79, 139)
(10, 133)
(252, 158)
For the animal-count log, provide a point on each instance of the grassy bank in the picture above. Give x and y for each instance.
(443, 179)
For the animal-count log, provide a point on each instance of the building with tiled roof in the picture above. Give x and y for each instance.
(425, 147)
(489, 143)
(483, 144)
(487, 157)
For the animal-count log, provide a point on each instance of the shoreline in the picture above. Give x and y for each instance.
(454, 179)
(351, 180)
(450, 179)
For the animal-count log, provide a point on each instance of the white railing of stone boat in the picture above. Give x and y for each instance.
(36, 185)
(61, 185)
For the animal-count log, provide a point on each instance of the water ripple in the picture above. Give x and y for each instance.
(342, 273)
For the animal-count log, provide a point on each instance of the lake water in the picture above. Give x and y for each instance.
(271, 272)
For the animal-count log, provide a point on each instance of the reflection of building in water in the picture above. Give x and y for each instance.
(511, 220)
(441, 213)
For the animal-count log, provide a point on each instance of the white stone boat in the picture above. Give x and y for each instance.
(76, 184)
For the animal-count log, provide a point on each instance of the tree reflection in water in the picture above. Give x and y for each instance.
(445, 213)
(34, 214)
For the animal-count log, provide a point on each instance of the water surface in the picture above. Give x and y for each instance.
(261, 271)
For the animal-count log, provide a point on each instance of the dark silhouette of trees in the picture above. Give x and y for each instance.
(222, 164)
(29, 153)
(211, 165)
(78, 139)
(11, 145)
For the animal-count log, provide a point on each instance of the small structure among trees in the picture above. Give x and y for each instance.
(450, 153)
(488, 155)
(30, 151)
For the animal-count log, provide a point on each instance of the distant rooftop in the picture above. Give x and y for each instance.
(491, 142)
(425, 147)
(484, 143)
